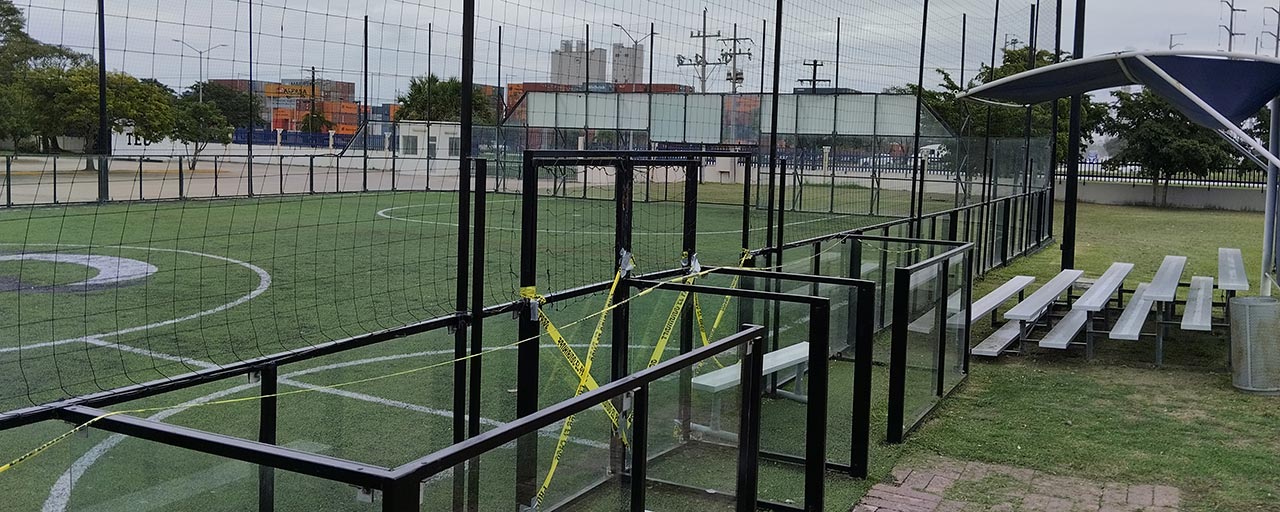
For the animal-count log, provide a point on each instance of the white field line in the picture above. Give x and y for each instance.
(384, 214)
(264, 282)
(60, 493)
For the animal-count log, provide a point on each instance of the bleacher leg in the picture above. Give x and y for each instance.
(1162, 314)
(1088, 337)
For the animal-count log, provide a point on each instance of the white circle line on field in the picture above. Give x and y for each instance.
(384, 214)
(264, 282)
(111, 269)
(60, 493)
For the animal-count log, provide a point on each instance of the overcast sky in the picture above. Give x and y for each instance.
(879, 41)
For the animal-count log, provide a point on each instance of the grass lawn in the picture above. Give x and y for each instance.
(1118, 418)
(338, 269)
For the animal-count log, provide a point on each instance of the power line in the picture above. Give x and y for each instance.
(699, 61)
(735, 76)
(813, 82)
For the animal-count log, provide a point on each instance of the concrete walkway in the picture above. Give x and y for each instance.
(947, 485)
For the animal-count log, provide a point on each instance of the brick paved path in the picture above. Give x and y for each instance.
(946, 485)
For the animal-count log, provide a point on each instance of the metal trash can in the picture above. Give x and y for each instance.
(1255, 344)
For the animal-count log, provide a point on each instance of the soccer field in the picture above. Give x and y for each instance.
(100, 296)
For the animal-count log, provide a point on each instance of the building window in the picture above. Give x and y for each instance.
(455, 146)
(431, 146)
(409, 143)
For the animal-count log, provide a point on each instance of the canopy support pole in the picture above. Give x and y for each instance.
(1253, 144)
(1269, 233)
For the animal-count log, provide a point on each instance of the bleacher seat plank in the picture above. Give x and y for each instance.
(1066, 330)
(776, 361)
(1198, 315)
(1129, 325)
(1000, 340)
(1231, 273)
(993, 300)
(928, 321)
(1097, 296)
(1034, 305)
(1164, 286)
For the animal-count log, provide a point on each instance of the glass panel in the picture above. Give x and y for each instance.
(896, 115)
(602, 111)
(923, 336)
(571, 109)
(668, 117)
(541, 108)
(855, 114)
(633, 111)
(957, 336)
(815, 113)
(786, 114)
(704, 121)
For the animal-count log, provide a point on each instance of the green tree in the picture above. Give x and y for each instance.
(199, 124)
(238, 108)
(72, 95)
(970, 119)
(19, 52)
(1163, 141)
(430, 99)
(315, 122)
(16, 108)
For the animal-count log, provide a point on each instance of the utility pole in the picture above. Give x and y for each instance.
(700, 61)
(813, 82)
(735, 77)
(1230, 27)
(1276, 33)
(1172, 44)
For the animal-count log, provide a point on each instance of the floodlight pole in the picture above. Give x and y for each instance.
(1073, 154)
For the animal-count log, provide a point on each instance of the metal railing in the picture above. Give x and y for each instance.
(1128, 173)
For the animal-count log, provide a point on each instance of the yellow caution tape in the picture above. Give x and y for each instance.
(584, 381)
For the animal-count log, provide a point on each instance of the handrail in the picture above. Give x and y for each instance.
(447, 458)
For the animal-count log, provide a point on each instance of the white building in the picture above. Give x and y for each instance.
(573, 64)
(628, 64)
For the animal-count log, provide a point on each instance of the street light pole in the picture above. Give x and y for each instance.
(635, 43)
(200, 62)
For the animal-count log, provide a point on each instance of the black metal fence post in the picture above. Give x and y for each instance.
(940, 324)
(463, 317)
(527, 378)
(182, 183)
(282, 175)
(746, 203)
(8, 180)
(816, 422)
(749, 429)
(639, 447)
(267, 434)
(140, 195)
(863, 353)
(898, 354)
(624, 197)
(311, 174)
(477, 328)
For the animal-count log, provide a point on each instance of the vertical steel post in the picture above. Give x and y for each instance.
(624, 196)
(816, 420)
(773, 124)
(363, 116)
(527, 377)
(253, 112)
(1031, 64)
(477, 328)
(749, 425)
(916, 167)
(8, 180)
(746, 203)
(311, 174)
(898, 355)
(463, 318)
(1054, 113)
(181, 178)
(1073, 154)
(863, 353)
(940, 324)
(104, 128)
(281, 175)
(639, 447)
(267, 411)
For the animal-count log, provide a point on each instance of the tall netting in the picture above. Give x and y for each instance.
(194, 188)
